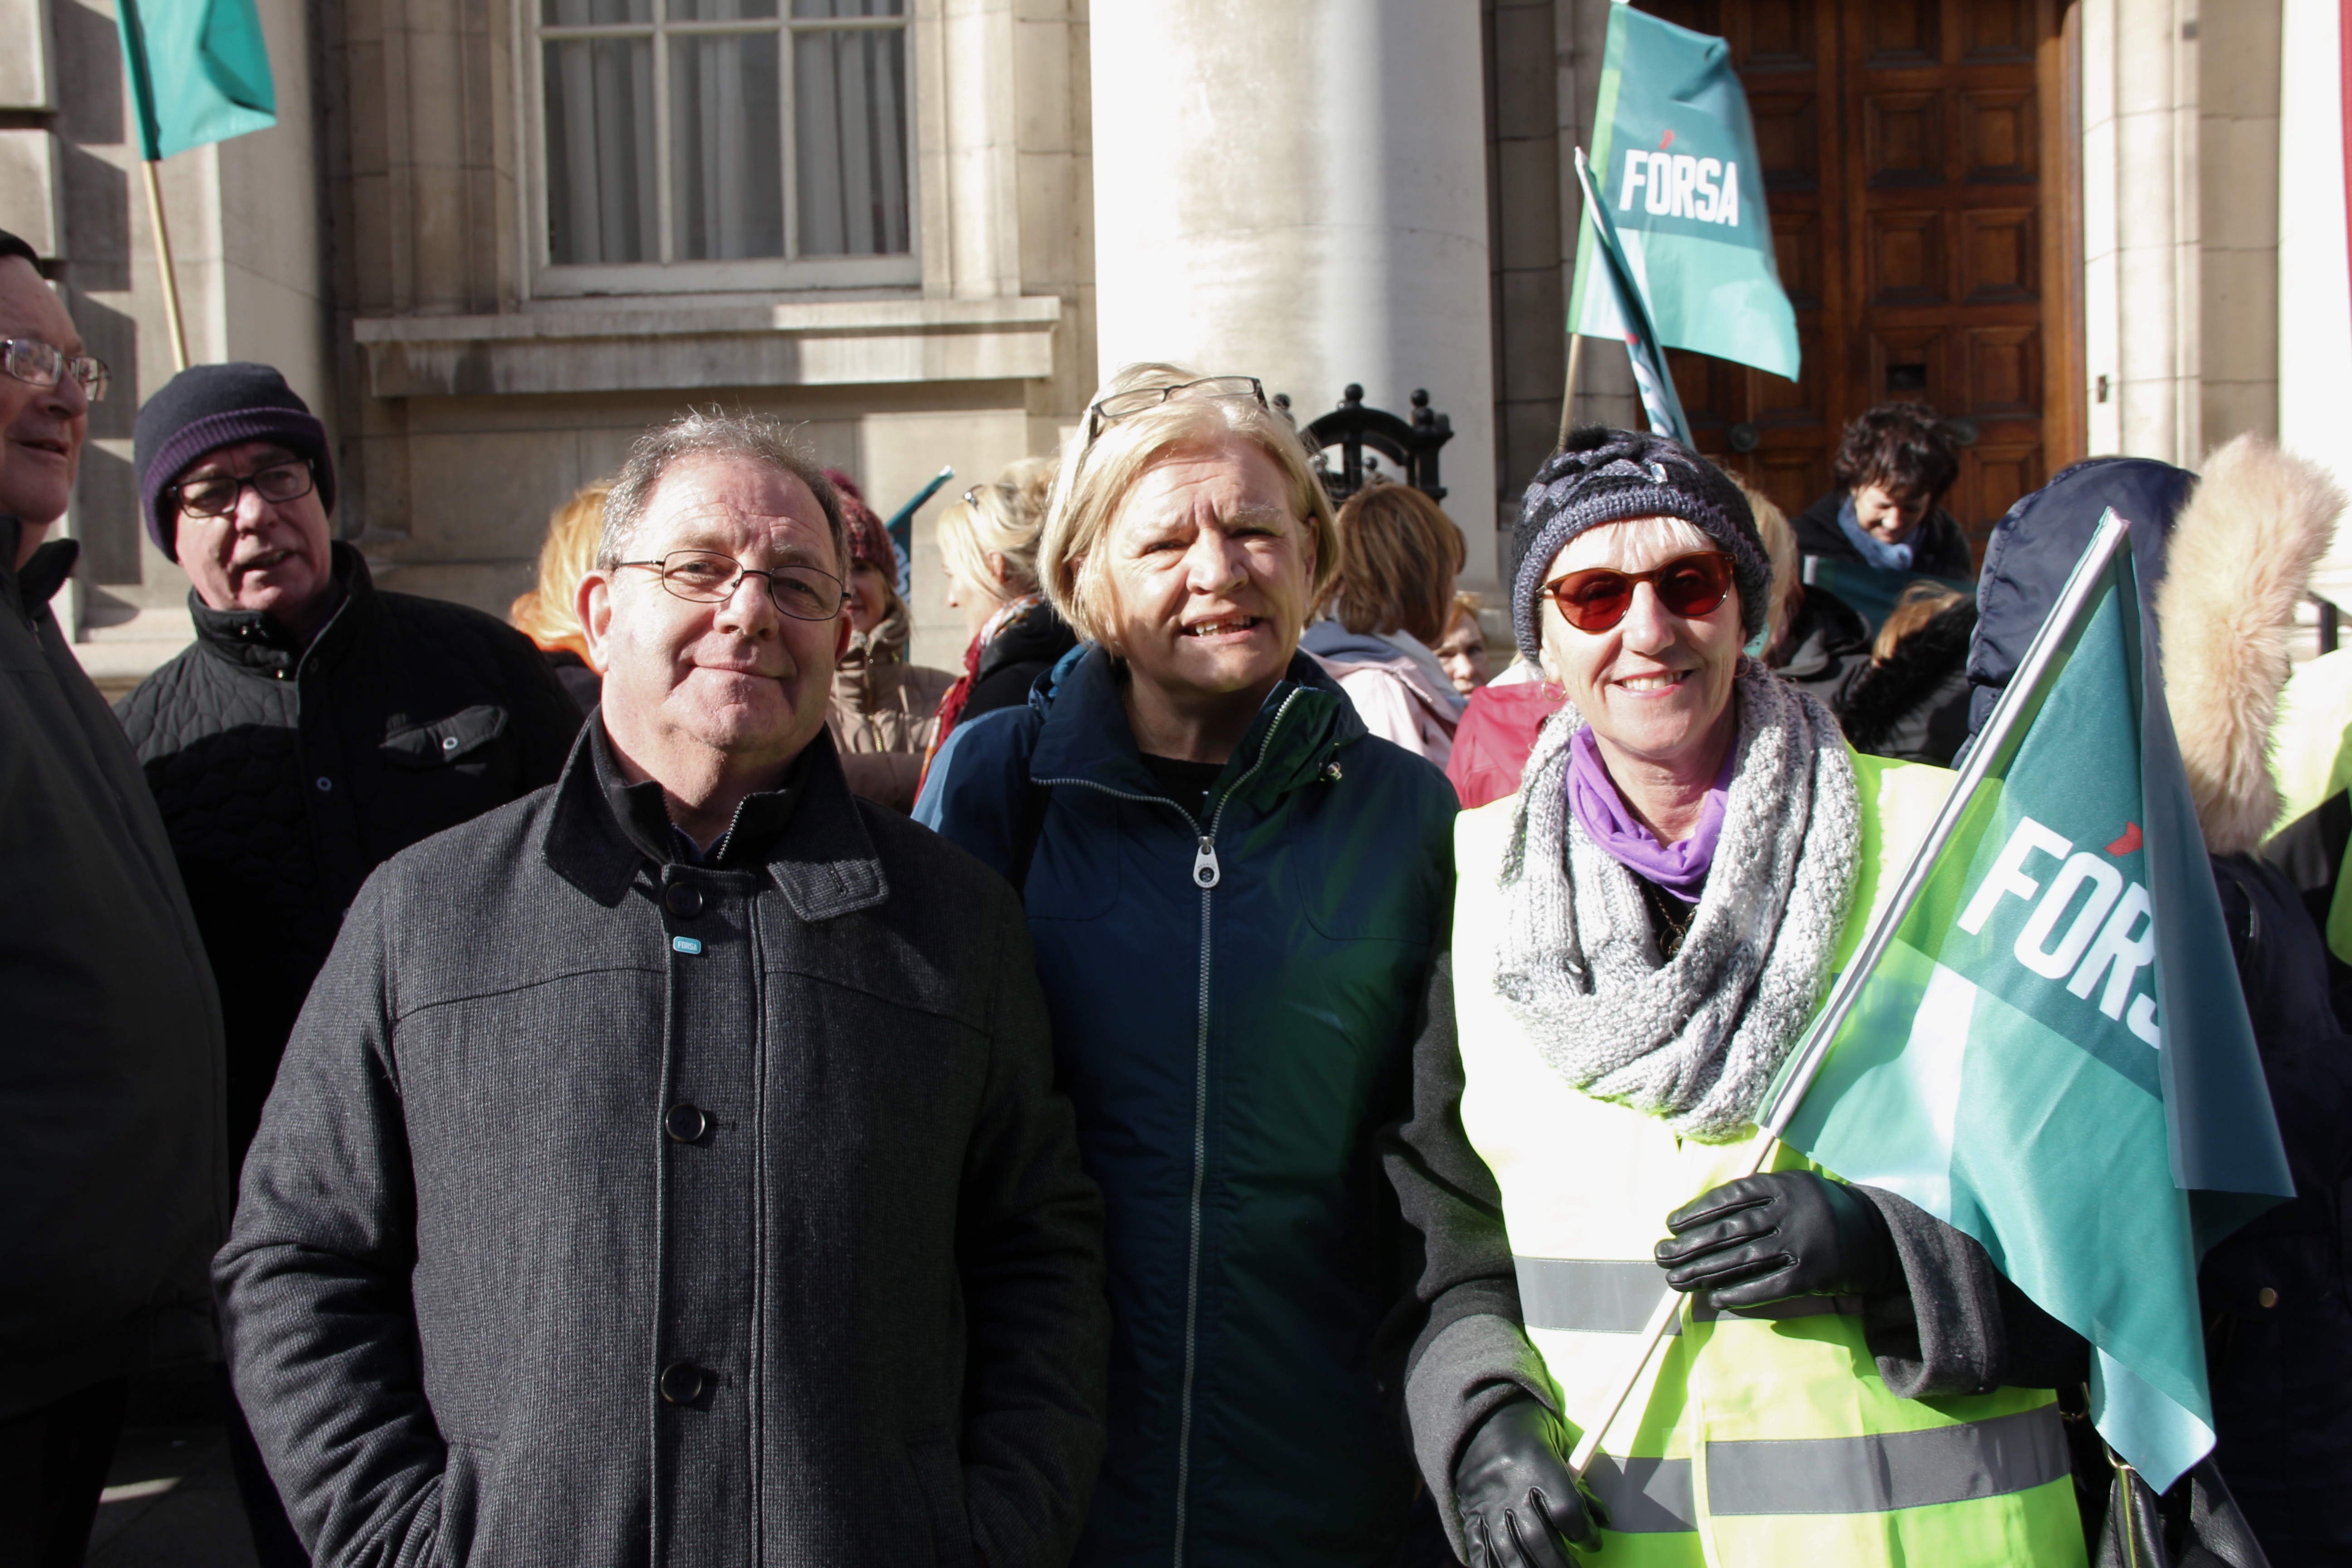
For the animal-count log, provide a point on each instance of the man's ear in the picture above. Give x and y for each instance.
(841, 634)
(591, 604)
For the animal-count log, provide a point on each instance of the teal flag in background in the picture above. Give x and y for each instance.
(1652, 376)
(198, 72)
(2052, 1055)
(1675, 156)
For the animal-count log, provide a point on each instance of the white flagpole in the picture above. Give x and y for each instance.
(1788, 1091)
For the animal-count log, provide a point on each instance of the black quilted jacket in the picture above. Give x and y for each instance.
(284, 774)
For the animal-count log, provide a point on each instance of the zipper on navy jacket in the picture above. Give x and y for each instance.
(1207, 872)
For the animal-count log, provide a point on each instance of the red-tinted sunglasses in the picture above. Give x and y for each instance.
(1689, 585)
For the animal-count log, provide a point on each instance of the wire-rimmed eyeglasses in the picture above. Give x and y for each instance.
(707, 577)
(1106, 412)
(38, 363)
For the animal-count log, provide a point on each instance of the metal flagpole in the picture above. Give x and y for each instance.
(163, 260)
(1788, 1092)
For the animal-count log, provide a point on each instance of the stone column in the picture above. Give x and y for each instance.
(2314, 284)
(1298, 192)
(2140, 229)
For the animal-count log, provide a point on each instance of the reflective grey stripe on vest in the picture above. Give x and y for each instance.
(1616, 1296)
(1837, 1474)
(1889, 1470)
(1645, 1496)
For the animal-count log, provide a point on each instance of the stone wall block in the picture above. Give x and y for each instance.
(368, 146)
(1534, 352)
(441, 130)
(1041, 96)
(1049, 249)
(1527, 218)
(1525, 68)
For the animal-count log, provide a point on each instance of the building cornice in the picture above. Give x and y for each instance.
(668, 347)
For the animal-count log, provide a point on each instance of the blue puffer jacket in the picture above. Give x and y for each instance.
(1234, 1001)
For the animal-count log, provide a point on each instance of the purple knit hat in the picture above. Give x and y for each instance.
(206, 407)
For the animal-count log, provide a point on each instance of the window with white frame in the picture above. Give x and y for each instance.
(732, 144)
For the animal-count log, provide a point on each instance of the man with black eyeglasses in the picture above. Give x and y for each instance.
(112, 1189)
(317, 725)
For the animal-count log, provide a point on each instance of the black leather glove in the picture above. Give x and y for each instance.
(1520, 1506)
(1790, 1233)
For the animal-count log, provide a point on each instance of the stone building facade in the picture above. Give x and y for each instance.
(491, 240)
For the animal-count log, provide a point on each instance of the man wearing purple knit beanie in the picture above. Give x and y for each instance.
(317, 725)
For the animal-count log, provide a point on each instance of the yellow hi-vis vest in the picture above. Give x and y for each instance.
(1758, 1438)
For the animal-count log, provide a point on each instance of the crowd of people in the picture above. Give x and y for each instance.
(1219, 1079)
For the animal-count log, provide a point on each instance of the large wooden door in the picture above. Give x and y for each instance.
(1916, 164)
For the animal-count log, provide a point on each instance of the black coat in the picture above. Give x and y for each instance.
(1938, 550)
(586, 687)
(1914, 706)
(2277, 1294)
(615, 1210)
(113, 1191)
(1014, 658)
(1827, 639)
(285, 773)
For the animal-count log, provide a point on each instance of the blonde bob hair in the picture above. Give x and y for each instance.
(545, 613)
(1096, 477)
(1004, 518)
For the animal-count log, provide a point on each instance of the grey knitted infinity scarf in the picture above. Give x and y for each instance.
(1693, 1040)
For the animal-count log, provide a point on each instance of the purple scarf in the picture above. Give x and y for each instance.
(1680, 869)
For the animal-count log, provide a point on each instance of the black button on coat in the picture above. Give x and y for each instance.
(285, 773)
(113, 1191)
(484, 1307)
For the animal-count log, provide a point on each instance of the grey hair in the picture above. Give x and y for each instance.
(698, 432)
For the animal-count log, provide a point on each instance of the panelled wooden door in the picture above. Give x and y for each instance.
(1916, 165)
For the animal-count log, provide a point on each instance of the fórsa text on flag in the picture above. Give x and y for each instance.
(2044, 1044)
(1675, 155)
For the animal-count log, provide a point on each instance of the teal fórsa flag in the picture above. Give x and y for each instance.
(1675, 155)
(2052, 1053)
(197, 69)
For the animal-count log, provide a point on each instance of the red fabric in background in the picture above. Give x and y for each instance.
(1496, 733)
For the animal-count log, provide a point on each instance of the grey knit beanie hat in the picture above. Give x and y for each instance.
(1604, 475)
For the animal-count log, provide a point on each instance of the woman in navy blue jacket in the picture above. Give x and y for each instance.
(1236, 895)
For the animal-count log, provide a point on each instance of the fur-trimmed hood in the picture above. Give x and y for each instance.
(2239, 560)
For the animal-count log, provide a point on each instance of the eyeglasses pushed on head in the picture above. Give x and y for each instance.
(1106, 412)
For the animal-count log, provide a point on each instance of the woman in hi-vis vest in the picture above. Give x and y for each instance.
(1640, 935)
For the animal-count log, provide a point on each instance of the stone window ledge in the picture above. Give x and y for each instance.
(671, 348)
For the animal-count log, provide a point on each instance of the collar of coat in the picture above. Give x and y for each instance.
(819, 852)
(29, 592)
(645, 818)
(1299, 730)
(252, 640)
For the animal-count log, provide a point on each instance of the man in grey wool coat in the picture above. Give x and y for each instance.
(667, 1167)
